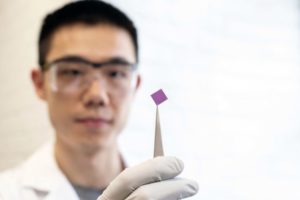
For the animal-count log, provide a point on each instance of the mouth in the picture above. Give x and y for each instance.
(93, 122)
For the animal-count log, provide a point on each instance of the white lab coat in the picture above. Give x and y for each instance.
(39, 178)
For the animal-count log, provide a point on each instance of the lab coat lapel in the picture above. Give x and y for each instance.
(42, 174)
(64, 192)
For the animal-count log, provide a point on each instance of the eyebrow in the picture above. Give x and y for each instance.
(74, 58)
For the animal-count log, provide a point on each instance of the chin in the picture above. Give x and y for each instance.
(97, 140)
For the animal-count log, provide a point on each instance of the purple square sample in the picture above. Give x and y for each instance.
(159, 97)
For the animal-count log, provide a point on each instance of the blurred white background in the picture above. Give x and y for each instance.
(231, 70)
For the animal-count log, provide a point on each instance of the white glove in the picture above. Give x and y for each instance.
(151, 180)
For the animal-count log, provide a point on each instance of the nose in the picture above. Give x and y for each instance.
(96, 95)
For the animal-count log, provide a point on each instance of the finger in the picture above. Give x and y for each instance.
(172, 189)
(157, 169)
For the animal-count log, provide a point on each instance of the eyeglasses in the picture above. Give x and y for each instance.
(74, 74)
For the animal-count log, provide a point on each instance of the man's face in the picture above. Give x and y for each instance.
(93, 117)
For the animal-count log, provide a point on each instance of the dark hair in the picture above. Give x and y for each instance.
(90, 12)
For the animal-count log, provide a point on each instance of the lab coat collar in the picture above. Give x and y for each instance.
(41, 173)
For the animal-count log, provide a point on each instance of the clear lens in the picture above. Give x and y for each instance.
(68, 77)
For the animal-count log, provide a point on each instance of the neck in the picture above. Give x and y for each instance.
(94, 169)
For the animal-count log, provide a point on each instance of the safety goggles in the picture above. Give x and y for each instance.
(74, 74)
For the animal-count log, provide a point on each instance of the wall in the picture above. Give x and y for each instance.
(23, 118)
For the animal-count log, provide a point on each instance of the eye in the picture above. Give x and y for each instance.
(71, 72)
(116, 74)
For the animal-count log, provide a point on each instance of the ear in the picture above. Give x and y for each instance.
(38, 80)
(138, 82)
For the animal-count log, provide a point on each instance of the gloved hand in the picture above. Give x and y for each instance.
(151, 180)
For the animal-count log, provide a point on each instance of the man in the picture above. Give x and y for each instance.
(88, 54)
